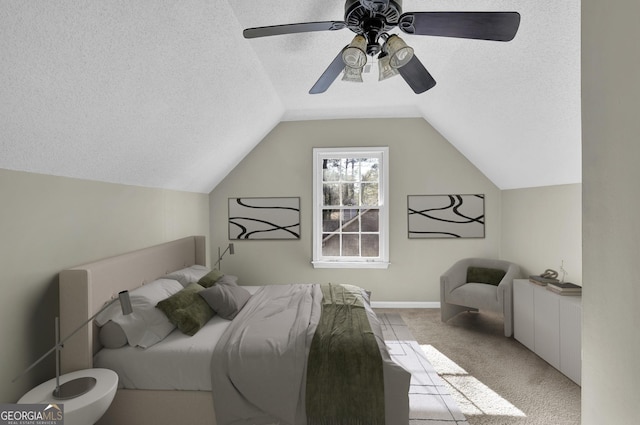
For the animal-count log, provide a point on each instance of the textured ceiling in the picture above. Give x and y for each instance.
(153, 93)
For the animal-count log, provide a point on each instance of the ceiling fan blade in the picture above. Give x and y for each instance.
(293, 28)
(497, 26)
(329, 75)
(417, 76)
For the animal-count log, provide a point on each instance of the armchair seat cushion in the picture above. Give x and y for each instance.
(485, 275)
(478, 295)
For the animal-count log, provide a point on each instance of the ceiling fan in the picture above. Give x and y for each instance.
(372, 20)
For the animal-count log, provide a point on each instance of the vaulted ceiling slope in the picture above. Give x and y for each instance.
(169, 94)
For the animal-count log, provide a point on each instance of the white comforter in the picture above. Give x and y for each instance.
(259, 364)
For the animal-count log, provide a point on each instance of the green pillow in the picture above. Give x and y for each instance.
(187, 310)
(210, 278)
(485, 275)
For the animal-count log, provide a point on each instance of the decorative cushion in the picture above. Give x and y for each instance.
(485, 275)
(146, 325)
(189, 274)
(210, 278)
(112, 335)
(226, 300)
(186, 310)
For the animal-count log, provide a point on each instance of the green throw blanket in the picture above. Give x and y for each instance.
(345, 382)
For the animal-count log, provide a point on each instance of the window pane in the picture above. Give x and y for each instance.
(350, 169)
(370, 194)
(370, 245)
(331, 170)
(350, 194)
(331, 194)
(351, 245)
(331, 244)
(350, 221)
(330, 220)
(369, 169)
(370, 221)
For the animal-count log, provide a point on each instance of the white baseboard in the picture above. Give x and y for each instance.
(405, 304)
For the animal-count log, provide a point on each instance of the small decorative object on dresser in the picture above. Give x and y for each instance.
(544, 278)
(564, 288)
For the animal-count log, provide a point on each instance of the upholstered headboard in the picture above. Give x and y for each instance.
(84, 289)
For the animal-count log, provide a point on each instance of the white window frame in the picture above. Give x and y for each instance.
(380, 262)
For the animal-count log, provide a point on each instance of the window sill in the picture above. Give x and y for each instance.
(350, 264)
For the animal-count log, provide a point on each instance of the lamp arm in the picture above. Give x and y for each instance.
(220, 256)
(60, 344)
(229, 249)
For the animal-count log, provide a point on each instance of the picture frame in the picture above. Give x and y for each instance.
(264, 218)
(445, 216)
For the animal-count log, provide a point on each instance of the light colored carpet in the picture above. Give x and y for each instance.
(493, 379)
(430, 401)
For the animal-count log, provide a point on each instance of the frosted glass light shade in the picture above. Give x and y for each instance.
(399, 53)
(353, 75)
(354, 56)
(385, 70)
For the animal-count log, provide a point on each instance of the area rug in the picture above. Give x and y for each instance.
(430, 401)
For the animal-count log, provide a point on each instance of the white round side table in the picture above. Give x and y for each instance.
(84, 409)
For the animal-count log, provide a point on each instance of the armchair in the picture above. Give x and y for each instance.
(474, 284)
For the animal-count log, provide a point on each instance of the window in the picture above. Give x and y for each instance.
(350, 214)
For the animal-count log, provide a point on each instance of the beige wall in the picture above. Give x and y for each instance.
(611, 197)
(542, 227)
(421, 162)
(51, 223)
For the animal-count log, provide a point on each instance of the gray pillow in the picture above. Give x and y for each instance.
(112, 335)
(226, 300)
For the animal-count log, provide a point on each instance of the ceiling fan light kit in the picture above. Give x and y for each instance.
(372, 21)
(354, 56)
(352, 75)
(399, 53)
(385, 70)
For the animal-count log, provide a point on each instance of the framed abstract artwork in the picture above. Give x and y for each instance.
(445, 216)
(264, 218)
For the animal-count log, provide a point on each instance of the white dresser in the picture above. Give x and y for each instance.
(550, 325)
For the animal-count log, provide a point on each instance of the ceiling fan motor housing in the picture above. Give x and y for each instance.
(372, 18)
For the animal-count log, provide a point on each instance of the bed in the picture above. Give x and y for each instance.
(85, 289)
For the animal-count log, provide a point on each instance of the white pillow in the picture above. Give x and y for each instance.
(228, 279)
(188, 275)
(146, 325)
